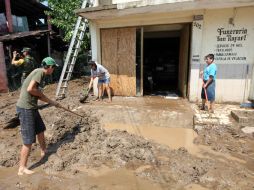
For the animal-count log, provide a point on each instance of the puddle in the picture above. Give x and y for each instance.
(121, 179)
(195, 187)
(100, 178)
(175, 138)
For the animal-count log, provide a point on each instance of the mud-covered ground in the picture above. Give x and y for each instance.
(79, 147)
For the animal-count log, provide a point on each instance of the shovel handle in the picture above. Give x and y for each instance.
(206, 94)
(66, 109)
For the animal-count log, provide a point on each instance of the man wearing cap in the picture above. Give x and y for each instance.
(28, 62)
(27, 110)
(102, 73)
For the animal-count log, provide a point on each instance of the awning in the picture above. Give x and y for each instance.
(18, 35)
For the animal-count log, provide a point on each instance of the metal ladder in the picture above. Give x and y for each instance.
(72, 53)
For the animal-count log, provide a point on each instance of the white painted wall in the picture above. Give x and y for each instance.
(123, 4)
(233, 82)
(95, 46)
(147, 2)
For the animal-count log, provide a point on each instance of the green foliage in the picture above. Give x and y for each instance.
(63, 16)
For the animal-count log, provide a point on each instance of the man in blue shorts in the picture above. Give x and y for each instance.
(27, 109)
(102, 73)
(208, 87)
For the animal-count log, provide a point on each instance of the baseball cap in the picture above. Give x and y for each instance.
(49, 61)
(26, 49)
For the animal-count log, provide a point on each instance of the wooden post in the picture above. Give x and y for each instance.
(3, 76)
(48, 22)
(8, 15)
(49, 45)
(142, 63)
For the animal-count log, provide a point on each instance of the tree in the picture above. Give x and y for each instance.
(63, 16)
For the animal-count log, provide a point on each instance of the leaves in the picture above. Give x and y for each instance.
(63, 16)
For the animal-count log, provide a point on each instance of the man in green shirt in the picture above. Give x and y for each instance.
(27, 109)
(27, 62)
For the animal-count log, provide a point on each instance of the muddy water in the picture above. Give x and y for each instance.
(175, 138)
(106, 178)
(100, 178)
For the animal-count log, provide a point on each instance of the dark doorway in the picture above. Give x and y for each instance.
(161, 63)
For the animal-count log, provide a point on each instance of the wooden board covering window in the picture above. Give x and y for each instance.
(118, 50)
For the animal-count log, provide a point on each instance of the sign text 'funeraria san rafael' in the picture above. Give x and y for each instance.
(230, 45)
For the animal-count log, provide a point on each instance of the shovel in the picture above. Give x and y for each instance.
(84, 96)
(14, 122)
(206, 99)
(66, 109)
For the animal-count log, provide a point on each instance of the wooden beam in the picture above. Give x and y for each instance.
(8, 15)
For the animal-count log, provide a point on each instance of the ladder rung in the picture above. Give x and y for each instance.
(82, 30)
(64, 86)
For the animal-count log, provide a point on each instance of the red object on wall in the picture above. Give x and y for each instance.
(3, 76)
(8, 15)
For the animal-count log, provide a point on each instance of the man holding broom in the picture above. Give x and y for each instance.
(208, 87)
(27, 109)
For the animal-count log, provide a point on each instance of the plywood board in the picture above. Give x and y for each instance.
(118, 56)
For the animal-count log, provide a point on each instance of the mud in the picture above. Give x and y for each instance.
(81, 152)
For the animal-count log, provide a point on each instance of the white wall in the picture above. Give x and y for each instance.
(145, 2)
(233, 82)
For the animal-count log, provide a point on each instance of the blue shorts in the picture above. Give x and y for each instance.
(104, 81)
(210, 90)
(31, 124)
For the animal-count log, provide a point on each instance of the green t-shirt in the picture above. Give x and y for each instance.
(26, 100)
(29, 64)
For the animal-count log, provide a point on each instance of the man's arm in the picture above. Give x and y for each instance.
(33, 90)
(212, 72)
(18, 62)
(210, 80)
(90, 84)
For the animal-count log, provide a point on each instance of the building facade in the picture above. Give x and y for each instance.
(159, 45)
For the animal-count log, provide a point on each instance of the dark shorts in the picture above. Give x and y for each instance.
(105, 81)
(31, 124)
(210, 90)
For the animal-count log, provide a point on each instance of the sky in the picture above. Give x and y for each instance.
(45, 3)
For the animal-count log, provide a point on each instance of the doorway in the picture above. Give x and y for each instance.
(165, 60)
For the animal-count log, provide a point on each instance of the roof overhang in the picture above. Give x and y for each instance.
(15, 36)
(111, 11)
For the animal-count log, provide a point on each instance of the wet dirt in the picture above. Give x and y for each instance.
(83, 155)
(175, 138)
